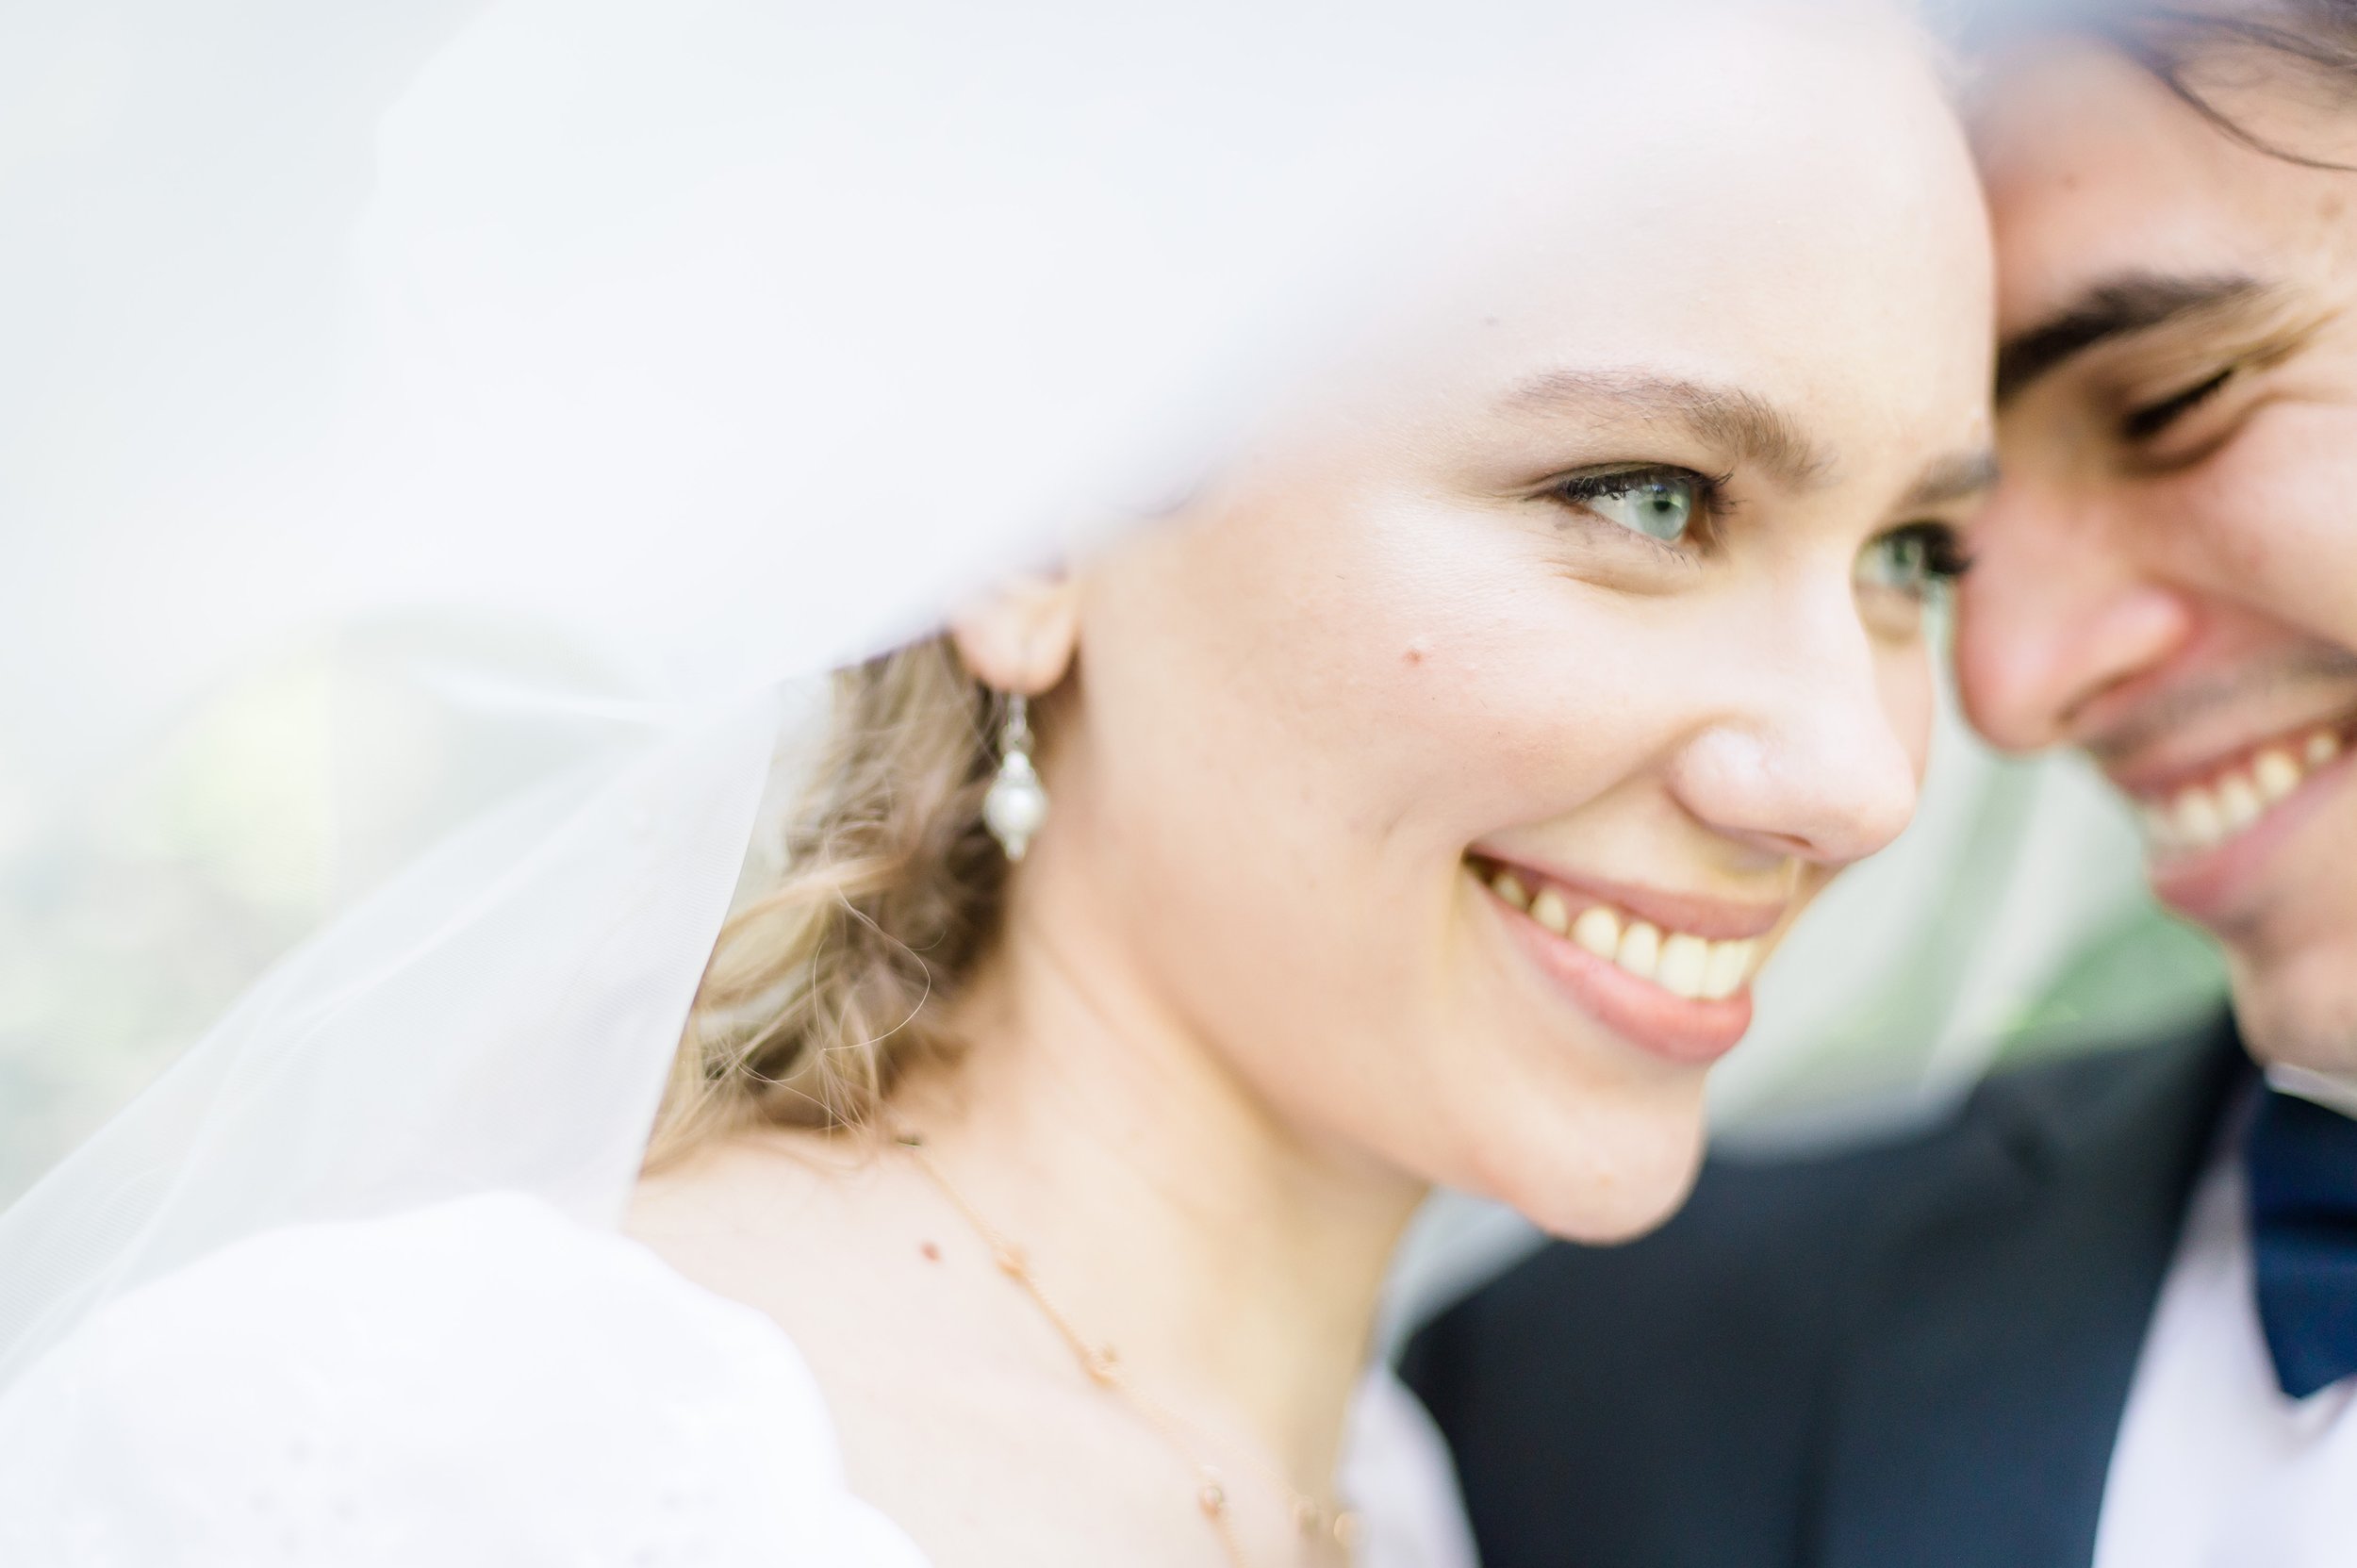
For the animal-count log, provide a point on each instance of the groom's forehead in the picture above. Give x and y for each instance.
(2122, 211)
(2095, 169)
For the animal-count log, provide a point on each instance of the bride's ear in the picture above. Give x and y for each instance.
(1020, 635)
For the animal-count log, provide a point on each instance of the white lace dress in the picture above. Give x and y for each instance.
(487, 1384)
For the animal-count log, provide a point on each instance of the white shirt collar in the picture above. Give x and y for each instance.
(2334, 1091)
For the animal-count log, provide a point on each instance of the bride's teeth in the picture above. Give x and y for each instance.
(1683, 959)
(2275, 773)
(2195, 816)
(2238, 803)
(1682, 965)
(1598, 930)
(1641, 949)
(2322, 747)
(1729, 966)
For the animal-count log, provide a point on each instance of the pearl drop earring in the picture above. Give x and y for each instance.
(1017, 802)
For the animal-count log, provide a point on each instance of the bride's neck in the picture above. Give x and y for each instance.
(1232, 1263)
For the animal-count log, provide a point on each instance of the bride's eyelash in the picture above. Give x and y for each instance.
(1712, 504)
(1591, 483)
(1945, 558)
(2142, 424)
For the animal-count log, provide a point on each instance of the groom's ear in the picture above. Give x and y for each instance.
(1020, 635)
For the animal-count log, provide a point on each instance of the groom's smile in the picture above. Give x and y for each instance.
(2222, 783)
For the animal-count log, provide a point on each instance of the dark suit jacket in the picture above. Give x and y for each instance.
(1914, 1356)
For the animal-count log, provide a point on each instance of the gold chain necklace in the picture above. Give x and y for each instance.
(1319, 1523)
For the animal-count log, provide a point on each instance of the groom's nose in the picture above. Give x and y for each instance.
(2064, 603)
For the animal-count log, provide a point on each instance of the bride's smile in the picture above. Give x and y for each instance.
(1645, 963)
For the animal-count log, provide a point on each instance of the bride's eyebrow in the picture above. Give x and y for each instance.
(1960, 476)
(1744, 426)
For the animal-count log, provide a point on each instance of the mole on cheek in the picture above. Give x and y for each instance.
(1414, 652)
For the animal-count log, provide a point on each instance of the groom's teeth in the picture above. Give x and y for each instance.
(1641, 949)
(2202, 816)
(2238, 803)
(1598, 930)
(1680, 962)
(2275, 773)
(1683, 959)
(2195, 816)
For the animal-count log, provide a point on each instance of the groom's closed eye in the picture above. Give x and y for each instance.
(2145, 422)
(2172, 367)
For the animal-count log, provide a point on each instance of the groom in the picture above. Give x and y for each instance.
(2109, 1314)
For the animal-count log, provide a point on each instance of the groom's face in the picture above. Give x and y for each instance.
(2167, 577)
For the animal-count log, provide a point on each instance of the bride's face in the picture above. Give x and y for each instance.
(1450, 767)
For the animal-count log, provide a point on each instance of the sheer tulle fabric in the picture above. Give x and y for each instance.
(733, 340)
(501, 1017)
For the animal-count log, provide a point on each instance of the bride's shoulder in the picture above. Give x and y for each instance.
(481, 1380)
(499, 1273)
(479, 1299)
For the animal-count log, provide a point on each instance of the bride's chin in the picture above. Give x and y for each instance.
(1599, 1183)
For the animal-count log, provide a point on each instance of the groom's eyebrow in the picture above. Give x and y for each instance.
(1741, 424)
(2114, 307)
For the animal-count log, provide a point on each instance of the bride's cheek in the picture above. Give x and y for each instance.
(1313, 716)
(1910, 696)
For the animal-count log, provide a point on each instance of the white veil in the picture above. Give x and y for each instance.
(743, 334)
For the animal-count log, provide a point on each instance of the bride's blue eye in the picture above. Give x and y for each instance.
(1660, 504)
(1916, 560)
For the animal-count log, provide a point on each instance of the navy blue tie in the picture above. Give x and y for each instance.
(2303, 1162)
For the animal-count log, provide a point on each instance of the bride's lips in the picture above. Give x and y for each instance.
(1669, 973)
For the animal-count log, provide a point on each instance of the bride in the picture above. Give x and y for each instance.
(1409, 801)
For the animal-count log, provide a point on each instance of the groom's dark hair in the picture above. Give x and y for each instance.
(2168, 40)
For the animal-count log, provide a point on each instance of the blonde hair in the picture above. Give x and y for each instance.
(827, 988)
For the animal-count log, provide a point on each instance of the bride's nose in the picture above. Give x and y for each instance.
(1808, 760)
